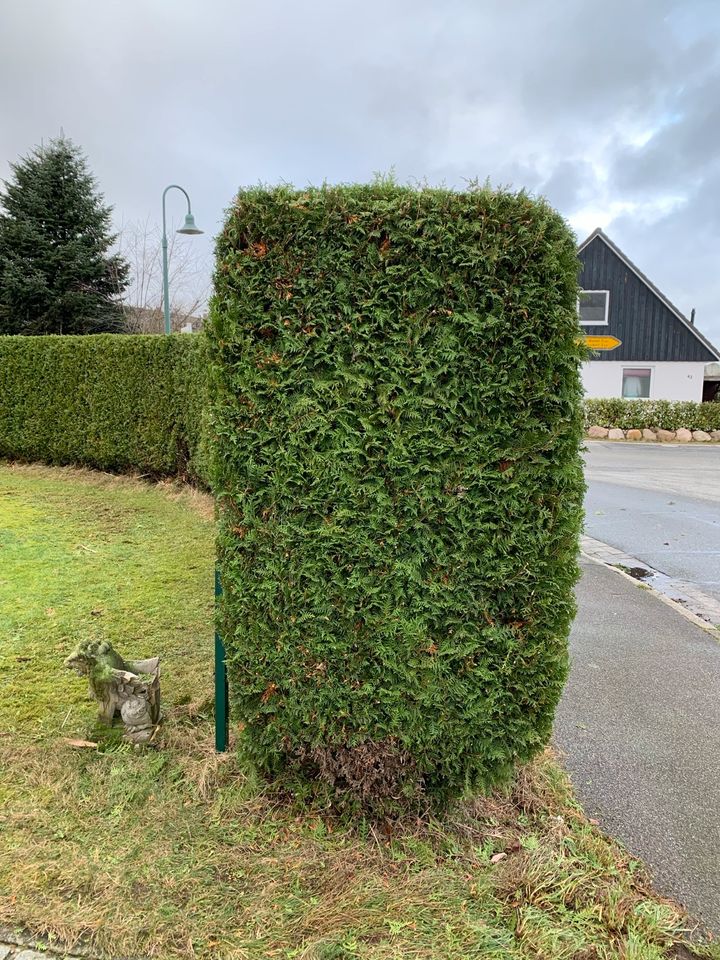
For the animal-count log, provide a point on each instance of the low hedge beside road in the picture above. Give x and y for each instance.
(107, 401)
(664, 415)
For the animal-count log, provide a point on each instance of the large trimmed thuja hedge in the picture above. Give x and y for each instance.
(108, 401)
(397, 412)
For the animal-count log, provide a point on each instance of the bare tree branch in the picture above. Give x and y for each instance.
(139, 242)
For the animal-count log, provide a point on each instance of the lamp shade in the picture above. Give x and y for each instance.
(189, 226)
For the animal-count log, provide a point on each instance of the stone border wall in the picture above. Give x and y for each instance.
(663, 436)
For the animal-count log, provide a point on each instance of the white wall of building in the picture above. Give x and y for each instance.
(669, 380)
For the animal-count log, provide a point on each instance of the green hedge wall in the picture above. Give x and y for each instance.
(107, 401)
(652, 414)
(397, 412)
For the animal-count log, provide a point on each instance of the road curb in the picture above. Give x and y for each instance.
(691, 603)
(694, 444)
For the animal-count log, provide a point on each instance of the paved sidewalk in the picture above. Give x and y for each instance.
(639, 724)
(694, 600)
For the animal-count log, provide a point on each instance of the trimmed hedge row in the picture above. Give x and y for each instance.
(107, 401)
(397, 414)
(652, 414)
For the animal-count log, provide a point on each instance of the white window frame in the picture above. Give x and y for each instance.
(602, 323)
(637, 366)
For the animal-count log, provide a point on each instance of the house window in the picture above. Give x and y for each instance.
(593, 307)
(636, 382)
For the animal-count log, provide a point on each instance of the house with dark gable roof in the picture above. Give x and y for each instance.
(662, 354)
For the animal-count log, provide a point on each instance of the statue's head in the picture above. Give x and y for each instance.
(85, 656)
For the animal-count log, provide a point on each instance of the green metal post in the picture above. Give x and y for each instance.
(189, 229)
(222, 708)
(166, 282)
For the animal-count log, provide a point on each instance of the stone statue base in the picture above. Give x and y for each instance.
(129, 689)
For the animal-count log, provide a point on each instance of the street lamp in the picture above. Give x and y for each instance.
(188, 228)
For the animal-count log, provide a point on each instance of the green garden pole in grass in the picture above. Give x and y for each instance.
(190, 229)
(222, 711)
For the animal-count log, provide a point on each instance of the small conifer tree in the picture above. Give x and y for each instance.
(57, 272)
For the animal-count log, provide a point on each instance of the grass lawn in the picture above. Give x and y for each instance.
(179, 852)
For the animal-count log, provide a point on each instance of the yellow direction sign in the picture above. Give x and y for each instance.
(603, 343)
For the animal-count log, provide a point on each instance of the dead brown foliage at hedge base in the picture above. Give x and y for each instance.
(372, 772)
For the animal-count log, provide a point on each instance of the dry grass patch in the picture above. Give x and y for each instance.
(179, 852)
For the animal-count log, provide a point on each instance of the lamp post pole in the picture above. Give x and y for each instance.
(190, 229)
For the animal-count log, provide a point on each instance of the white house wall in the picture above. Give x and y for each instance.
(669, 380)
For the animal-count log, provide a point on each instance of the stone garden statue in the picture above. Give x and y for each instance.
(130, 688)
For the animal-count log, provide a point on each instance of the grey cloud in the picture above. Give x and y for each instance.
(679, 253)
(570, 184)
(678, 158)
(218, 94)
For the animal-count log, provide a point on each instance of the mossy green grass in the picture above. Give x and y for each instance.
(180, 852)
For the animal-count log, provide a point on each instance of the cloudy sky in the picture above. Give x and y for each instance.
(611, 109)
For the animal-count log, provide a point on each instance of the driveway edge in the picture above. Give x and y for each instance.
(695, 606)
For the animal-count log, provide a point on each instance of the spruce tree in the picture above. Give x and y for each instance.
(57, 271)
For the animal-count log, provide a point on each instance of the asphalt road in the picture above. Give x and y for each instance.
(639, 726)
(658, 503)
